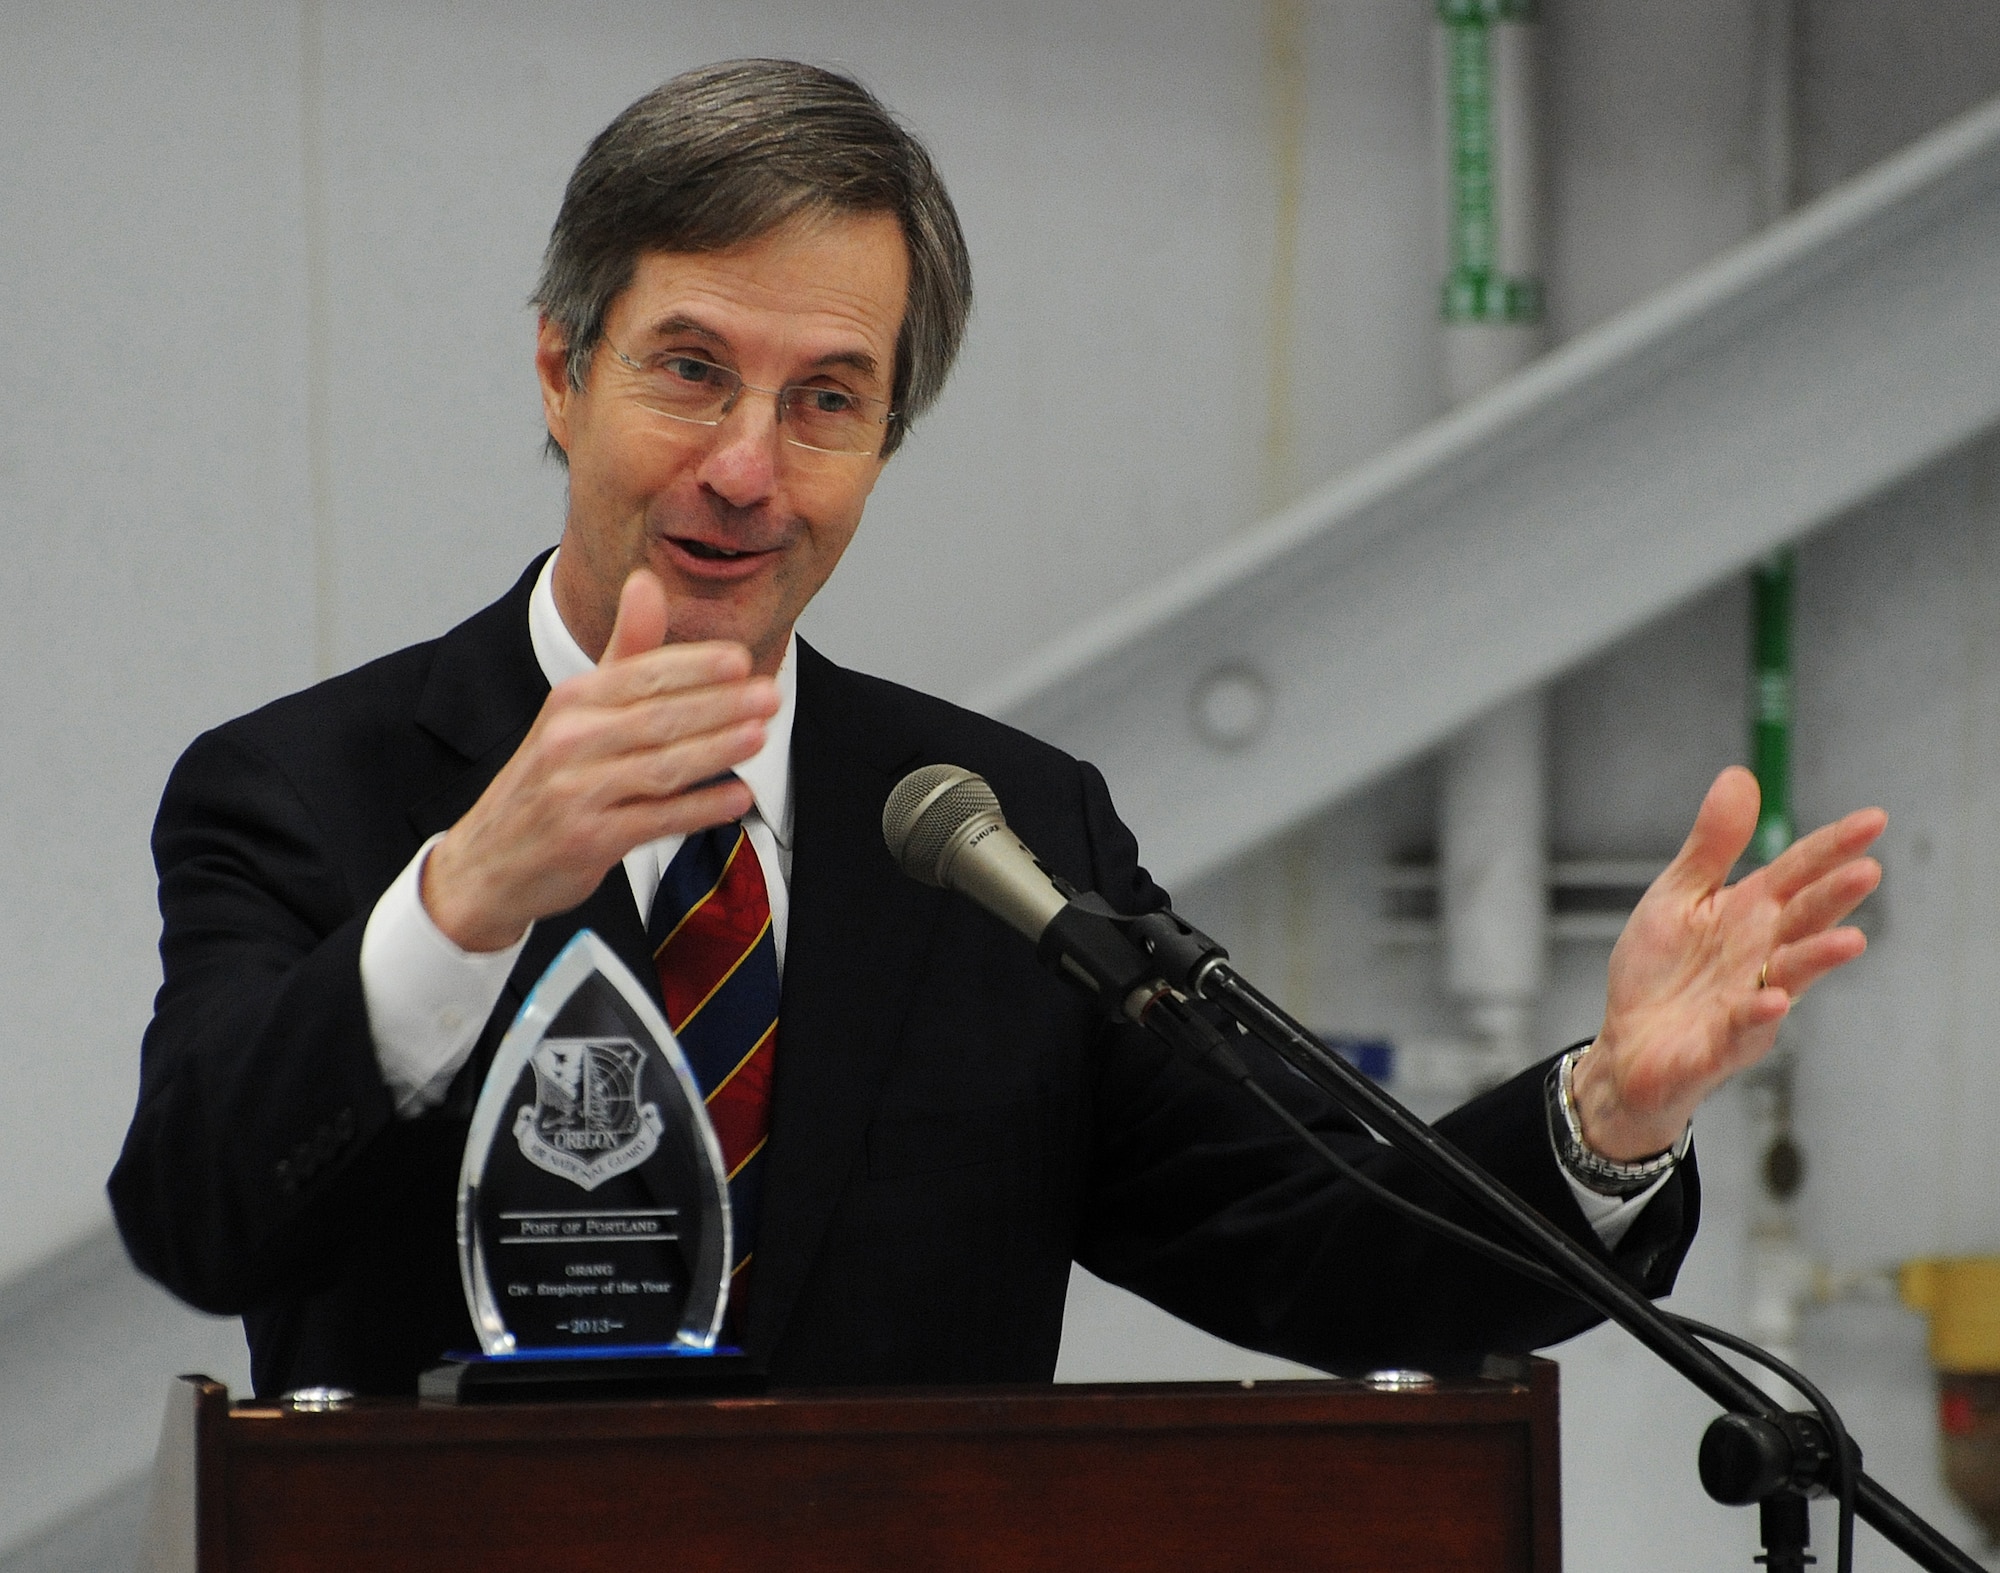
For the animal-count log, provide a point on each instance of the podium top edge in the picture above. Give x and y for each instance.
(1066, 1407)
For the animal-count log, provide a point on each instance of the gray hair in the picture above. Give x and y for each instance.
(727, 153)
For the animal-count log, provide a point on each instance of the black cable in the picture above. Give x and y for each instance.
(1416, 1212)
(1199, 1038)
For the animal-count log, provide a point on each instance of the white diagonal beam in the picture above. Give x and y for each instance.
(1765, 394)
(88, 1351)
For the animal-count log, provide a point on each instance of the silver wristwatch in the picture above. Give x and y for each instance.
(1592, 1170)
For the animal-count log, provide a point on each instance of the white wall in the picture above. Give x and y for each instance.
(158, 549)
(263, 283)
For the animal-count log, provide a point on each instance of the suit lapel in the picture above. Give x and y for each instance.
(858, 933)
(483, 692)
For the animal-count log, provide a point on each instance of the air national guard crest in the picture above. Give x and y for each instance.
(587, 1123)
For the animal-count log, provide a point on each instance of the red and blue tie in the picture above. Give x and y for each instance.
(718, 964)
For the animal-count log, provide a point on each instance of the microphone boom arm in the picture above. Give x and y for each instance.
(1192, 963)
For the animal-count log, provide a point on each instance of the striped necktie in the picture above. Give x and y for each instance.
(718, 964)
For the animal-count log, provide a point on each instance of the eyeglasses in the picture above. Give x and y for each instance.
(810, 415)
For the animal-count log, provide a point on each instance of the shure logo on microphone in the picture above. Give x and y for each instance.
(982, 834)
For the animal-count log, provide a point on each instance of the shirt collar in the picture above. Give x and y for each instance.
(767, 773)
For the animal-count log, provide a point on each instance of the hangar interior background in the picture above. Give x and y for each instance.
(274, 415)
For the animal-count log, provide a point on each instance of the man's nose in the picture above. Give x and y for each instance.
(741, 466)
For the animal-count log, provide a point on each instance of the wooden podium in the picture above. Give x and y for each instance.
(1276, 1476)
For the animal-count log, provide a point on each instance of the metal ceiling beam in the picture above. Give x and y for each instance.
(1839, 352)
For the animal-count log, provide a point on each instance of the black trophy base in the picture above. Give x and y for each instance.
(518, 1379)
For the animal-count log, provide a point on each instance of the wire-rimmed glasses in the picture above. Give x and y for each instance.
(811, 415)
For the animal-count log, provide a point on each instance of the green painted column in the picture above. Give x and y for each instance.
(1771, 701)
(1493, 809)
(1478, 289)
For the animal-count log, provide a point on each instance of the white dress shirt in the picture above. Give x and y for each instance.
(428, 1000)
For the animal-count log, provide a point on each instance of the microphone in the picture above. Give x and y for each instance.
(944, 827)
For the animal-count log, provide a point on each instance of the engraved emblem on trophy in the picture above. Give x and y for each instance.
(593, 1213)
(587, 1123)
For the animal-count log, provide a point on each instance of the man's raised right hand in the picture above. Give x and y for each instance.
(614, 760)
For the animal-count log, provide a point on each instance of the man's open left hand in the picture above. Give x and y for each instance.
(1705, 971)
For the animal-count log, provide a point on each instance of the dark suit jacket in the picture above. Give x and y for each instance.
(951, 1125)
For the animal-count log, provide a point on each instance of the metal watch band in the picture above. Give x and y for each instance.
(1594, 1171)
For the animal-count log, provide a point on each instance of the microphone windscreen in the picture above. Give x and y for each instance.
(926, 809)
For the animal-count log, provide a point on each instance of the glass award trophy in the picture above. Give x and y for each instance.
(593, 1212)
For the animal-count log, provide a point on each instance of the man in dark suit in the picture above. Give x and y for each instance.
(755, 283)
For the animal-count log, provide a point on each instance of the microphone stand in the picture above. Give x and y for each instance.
(1756, 1451)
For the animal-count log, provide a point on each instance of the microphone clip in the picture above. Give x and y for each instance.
(1180, 952)
(1123, 962)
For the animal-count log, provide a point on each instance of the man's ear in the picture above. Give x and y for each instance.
(552, 367)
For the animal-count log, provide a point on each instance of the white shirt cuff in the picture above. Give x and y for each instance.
(1610, 1216)
(427, 999)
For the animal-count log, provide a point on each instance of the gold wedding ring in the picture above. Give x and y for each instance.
(1764, 976)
